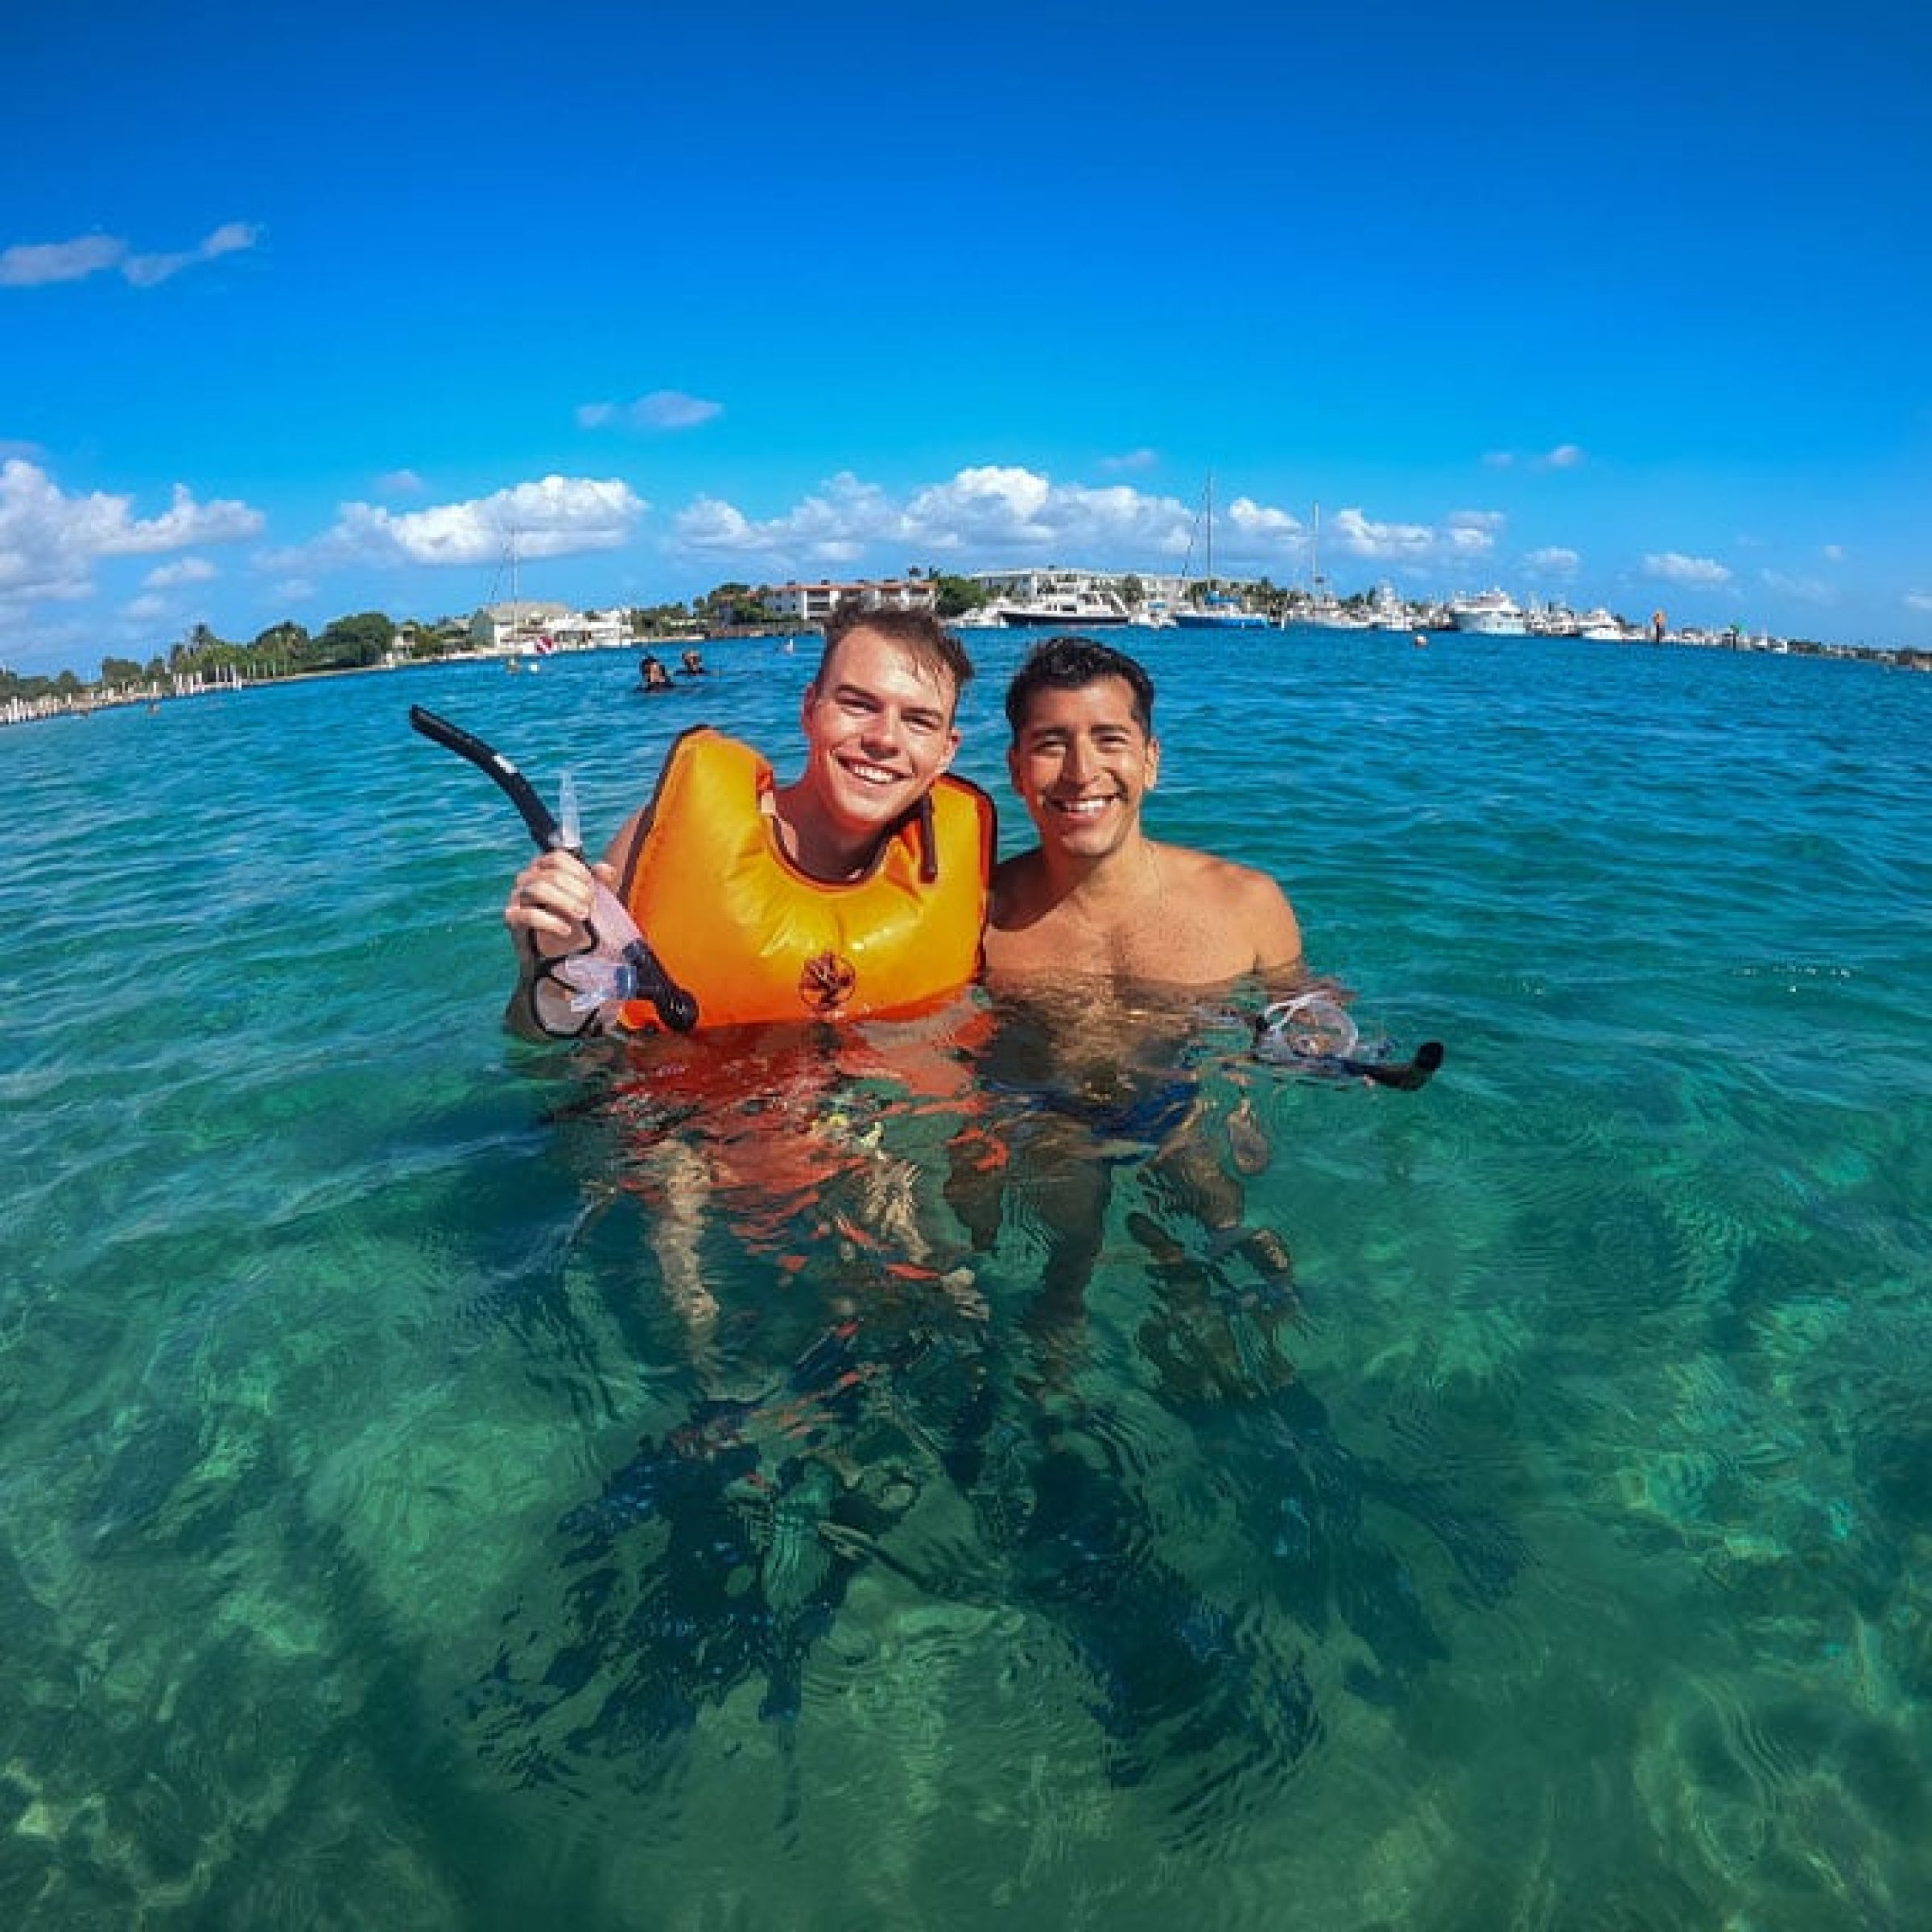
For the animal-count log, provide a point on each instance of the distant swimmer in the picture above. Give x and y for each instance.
(691, 664)
(859, 888)
(651, 674)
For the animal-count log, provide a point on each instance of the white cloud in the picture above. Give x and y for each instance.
(991, 515)
(1566, 455)
(988, 512)
(1350, 534)
(145, 271)
(1672, 567)
(1133, 459)
(556, 516)
(1003, 511)
(1472, 533)
(36, 264)
(1248, 519)
(833, 527)
(1918, 599)
(664, 409)
(1800, 590)
(400, 483)
(990, 503)
(189, 570)
(1833, 553)
(50, 541)
(1553, 561)
(709, 524)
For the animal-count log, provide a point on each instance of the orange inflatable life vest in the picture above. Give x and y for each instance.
(735, 923)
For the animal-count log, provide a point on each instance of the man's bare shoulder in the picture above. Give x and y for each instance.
(1242, 909)
(1207, 875)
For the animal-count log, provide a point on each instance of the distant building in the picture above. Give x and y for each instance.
(591, 630)
(530, 624)
(1150, 595)
(515, 626)
(1025, 586)
(807, 604)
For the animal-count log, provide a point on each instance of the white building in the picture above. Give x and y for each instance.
(515, 626)
(530, 624)
(808, 604)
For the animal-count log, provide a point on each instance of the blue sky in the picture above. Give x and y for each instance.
(303, 309)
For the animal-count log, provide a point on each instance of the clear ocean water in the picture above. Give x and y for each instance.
(447, 1484)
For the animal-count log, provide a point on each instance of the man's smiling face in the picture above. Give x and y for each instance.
(1082, 763)
(878, 730)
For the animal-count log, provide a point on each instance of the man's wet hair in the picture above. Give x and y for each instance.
(920, 633)
(1070, 664)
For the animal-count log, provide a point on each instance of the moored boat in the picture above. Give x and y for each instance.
(1218, 614)
(1490, 613)
(1081, 609)
(1206, 608)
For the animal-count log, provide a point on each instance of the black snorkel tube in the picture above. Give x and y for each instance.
(640, 970)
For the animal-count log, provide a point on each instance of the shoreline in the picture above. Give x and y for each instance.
(89, 699)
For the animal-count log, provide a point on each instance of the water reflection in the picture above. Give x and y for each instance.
(971, 1306)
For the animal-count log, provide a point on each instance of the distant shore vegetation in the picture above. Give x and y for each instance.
(370, 639)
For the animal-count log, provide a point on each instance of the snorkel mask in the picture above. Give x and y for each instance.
(618, 964)
(1313, 1033)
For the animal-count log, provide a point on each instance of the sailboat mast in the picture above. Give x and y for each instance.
(1209, 522)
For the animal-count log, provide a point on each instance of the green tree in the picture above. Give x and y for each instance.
(282, 648)
(731, 607)
(14, 685)
(954, 596)
(349, 643)
(120, 671)
(660, 620)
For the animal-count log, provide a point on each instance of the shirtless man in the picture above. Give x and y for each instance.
(1098, 942)
(1096, 897)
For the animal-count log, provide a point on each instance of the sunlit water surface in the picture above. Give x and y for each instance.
(445, 1485)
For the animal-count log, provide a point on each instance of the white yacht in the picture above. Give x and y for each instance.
(1321, 609)
(1081, 606)
(1490, 613)
(1388, 612)
(1325, 611)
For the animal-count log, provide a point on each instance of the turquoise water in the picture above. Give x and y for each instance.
(446, 1484)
